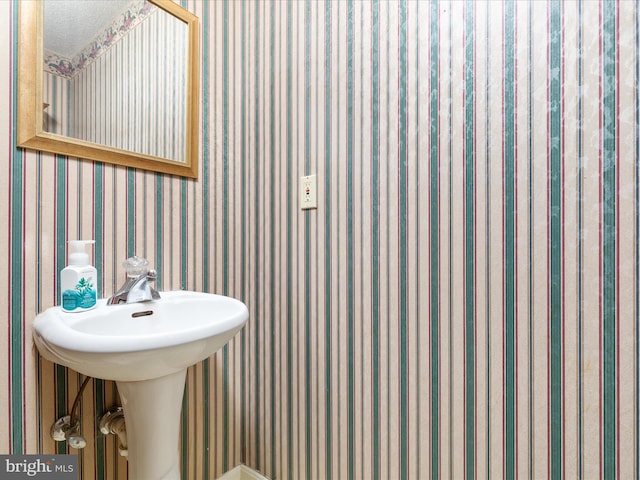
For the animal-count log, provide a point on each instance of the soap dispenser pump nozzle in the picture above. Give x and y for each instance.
(78, 255)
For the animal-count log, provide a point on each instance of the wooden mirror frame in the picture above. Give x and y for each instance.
(31, 133)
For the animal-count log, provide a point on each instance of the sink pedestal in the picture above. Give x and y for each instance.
(152, 415)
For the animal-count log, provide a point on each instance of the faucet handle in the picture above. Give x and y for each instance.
(135, 266)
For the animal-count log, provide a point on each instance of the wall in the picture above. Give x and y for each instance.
(55, 92)
(462, 303)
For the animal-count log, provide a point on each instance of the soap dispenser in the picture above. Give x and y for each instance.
(78, 280)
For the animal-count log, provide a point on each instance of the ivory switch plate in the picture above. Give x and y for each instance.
(308, 193)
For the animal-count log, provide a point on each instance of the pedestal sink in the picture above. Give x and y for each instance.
(146, 348)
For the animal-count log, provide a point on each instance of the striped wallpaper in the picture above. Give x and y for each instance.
(462, 304)
(55, 93)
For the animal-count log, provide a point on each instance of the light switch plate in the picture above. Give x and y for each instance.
(308, 192)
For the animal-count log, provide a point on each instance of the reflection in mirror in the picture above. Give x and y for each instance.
(115, 74)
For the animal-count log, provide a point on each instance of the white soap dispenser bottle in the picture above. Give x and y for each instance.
(79, 279)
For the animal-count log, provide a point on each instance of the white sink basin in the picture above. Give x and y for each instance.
(140, 341)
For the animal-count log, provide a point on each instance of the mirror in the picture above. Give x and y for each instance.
(124, 92)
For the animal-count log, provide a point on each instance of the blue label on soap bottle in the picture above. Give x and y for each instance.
(83, 296)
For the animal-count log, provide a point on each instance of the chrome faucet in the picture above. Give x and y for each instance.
(137, 287)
